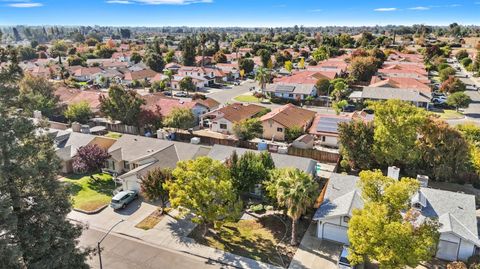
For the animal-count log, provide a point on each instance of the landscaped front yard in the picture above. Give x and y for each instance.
(256, 239)
(90, 192)
(447, 114)
(247, 98)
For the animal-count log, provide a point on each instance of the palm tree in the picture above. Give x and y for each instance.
(169, 78)
(295, 190)
(263, 77)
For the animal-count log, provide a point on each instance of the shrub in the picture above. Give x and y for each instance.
(256, 208)
(269, 208)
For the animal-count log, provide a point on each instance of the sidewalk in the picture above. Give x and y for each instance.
(168, 233)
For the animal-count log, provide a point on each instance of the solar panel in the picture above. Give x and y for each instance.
(329, 125)
(284, 88)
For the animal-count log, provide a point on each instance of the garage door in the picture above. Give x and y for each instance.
(132, 184)
(335, 233)
(447, 250)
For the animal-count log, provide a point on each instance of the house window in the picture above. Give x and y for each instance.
(223, 126)
(126, 165)
(113, 165)
(280, 130)
(290, 95)
(323, 138)
(346, 219)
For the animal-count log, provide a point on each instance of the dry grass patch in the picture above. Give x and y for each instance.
(152, 220)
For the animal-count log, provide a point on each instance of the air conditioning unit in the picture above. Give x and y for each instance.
(195, 140)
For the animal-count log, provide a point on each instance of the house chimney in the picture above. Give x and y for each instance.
(393, 172)
(37, 114)
(423, 180)
(76, 127)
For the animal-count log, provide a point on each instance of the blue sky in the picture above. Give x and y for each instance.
(237, 12)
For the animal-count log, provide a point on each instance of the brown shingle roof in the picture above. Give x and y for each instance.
(237, 112)
(290, 116)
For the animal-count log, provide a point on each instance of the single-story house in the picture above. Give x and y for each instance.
(86, 73)
(222, 119)
(141, 75)
(455, 212)
(415, 96)
(325, 128)
(158, 103)
(291, 91)
(67, 143)
(133, 156)
(288, 116)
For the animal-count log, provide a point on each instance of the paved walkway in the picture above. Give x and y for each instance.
(168, 233)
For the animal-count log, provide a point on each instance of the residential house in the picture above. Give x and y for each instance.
(158, 103)
(133, 156)
(454, 211)
(276, 122)
(140, 75)
(325, 128)
(86, 73)
(400, 82)
(67, 143)
(70, 96)
(292, 91)
(415, 96)
(223, 119)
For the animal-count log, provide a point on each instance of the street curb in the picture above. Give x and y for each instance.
(96, 211)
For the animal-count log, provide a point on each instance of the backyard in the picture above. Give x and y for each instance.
(90, 192)
(255, 238)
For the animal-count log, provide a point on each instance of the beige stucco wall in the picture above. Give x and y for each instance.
(270, 130)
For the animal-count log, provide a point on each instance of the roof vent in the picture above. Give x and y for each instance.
(393, 172)
(423, 180)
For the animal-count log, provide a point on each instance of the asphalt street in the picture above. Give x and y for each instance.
(122, 252)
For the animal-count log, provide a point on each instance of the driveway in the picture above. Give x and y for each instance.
(135, 212)
(314, 253)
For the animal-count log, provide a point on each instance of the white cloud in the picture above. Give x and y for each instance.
(386, 9)
(316, 10)
(125, 2)
(159, 2)
(419, 8)
(25, 5)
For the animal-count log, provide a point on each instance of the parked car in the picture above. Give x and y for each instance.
(349, 108)
(123, 198)
(343, 262)
(181, 94)
(236, 83)
(167, 93)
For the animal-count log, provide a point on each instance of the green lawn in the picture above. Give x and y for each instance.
(90, 193)
(113, 135)
(449, 114)
(255, 239)
(247, 98)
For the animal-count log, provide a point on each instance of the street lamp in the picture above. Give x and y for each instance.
(103, 238)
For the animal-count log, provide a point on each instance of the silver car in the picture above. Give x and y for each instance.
(123, 198)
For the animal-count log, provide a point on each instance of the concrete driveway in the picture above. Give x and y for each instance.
(135, 212)
(314, 253)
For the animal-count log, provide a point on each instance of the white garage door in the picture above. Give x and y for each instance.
(447, 250)
(131, 184)
(335, 233)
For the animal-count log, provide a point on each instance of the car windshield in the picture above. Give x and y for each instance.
(115, 201)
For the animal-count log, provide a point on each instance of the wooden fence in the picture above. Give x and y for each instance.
(320, 156)
(124, 129)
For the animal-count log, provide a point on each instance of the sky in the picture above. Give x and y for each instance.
(247, 13)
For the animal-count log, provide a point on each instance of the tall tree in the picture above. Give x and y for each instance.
(188, 51)
(248, 129)
(246, 65)
(356, 143)
(90, 158)
(444, 151)
(380, 232)
(180, 118)
(37, 93)
(295, 190)
(122, 105)
(186, 84)
(396, 127)
(459, 100)
(79, 112)
(204, 187)
(34, 204)
(152, 185)
(249, 170)
(363, 68)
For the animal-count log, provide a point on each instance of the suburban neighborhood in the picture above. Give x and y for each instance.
(297, 147)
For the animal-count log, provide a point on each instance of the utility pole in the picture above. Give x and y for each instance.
(101, 240)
